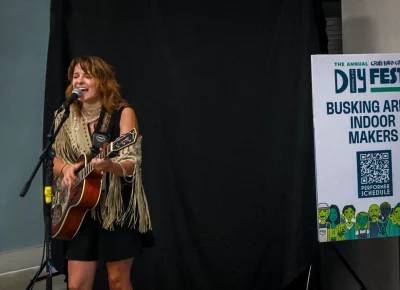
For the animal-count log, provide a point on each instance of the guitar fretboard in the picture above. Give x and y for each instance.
(85, 171)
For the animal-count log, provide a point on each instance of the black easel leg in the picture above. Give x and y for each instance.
(308, 285)
(316, 272)
(347, 265)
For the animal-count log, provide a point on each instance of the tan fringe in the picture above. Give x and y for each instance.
(112, 207)
(112, 204)
(62, 145)
(139, 205)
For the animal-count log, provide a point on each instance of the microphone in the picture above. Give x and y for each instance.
(76, 94)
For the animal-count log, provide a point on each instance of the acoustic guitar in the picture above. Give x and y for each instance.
(70, 205)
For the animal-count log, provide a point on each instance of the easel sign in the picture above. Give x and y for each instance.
(356, 106)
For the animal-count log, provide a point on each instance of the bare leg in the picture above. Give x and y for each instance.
(119, 275)
(81, 275)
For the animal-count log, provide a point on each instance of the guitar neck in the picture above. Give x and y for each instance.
(85, 171)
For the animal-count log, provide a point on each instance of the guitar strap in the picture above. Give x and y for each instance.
(102, 132)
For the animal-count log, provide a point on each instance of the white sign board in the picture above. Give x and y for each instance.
(356, 106)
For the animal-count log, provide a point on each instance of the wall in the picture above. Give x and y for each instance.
(24, 29)
(371, 26)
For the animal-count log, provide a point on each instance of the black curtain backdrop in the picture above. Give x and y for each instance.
(222, 92)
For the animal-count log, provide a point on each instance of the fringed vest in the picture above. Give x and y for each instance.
(74, 140)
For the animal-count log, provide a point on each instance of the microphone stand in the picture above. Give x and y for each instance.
(47, 157)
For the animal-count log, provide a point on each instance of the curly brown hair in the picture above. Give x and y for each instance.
(103, 73)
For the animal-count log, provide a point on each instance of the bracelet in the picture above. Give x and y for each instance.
(124, 173)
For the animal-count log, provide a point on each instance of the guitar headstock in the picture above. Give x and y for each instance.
(123, 141)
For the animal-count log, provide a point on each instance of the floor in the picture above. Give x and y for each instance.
(21, 280)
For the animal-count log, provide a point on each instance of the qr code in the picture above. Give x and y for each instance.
(375, 168)
(374, 173)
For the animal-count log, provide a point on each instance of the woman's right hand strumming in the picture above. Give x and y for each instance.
(69, 177)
